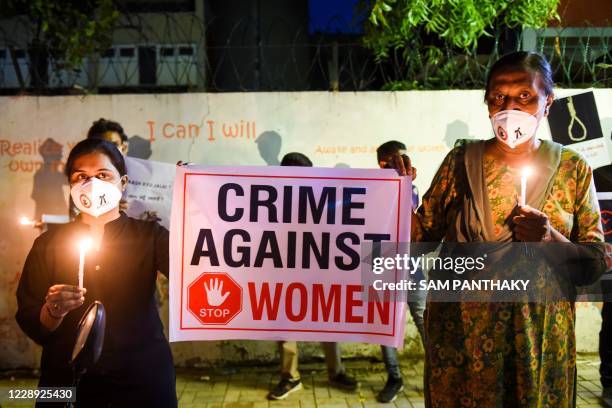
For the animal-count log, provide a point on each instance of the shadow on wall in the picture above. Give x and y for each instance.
(139, 147)
(456, 130)
(269, 147)
(342, 166)
(49, 180)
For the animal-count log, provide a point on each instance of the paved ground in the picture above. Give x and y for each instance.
(246, 387)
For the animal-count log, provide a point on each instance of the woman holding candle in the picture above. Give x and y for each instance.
(119, 269)
(506, 354)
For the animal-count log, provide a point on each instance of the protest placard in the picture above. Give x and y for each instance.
(275, 253)
(149, 188)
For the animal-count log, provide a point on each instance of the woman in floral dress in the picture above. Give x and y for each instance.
(506, 354)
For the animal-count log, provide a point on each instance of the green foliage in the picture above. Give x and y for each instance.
(68, 30)
(433, 37)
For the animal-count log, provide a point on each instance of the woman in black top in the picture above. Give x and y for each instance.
(136, 367)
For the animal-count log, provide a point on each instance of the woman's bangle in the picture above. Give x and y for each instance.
(51, 314)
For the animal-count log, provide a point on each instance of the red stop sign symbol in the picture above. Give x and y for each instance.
(214, 298)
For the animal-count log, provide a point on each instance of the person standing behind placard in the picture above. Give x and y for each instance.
(110, 131)
(395, 383)
(290, 377)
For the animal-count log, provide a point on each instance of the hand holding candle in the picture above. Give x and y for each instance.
(532, 225)
(59, 301)
(84, 246)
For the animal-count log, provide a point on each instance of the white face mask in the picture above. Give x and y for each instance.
(95, 197)
(514, 127)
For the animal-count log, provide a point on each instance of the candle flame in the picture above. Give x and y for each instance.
(526, 171)
(85, 244)
(26, 221)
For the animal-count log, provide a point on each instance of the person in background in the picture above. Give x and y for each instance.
(111, 132)
(395, 382)
(603, 184)
(135, 368)
(290, 377)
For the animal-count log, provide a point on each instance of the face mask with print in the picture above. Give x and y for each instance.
(95, 197)
(514, 127)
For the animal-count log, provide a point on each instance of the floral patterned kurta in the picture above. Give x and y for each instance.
(505, 354)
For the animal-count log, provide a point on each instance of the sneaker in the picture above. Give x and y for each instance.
(344, 382)
(284, 388)
(389, 393)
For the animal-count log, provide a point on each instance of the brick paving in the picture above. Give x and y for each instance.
(246, 387)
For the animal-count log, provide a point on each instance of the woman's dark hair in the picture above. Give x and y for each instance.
(88, 146)
(523, 60)
(101, 126)
(296, 159)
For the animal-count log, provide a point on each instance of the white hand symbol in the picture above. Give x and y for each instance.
(213, 292)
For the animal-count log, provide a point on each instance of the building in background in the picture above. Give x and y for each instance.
(156, 46)
(277, 45)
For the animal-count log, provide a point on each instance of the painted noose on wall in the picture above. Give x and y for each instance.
(574, 119)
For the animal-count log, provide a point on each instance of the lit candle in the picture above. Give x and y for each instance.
(524, 174)
(26, 221)
(84, 245)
